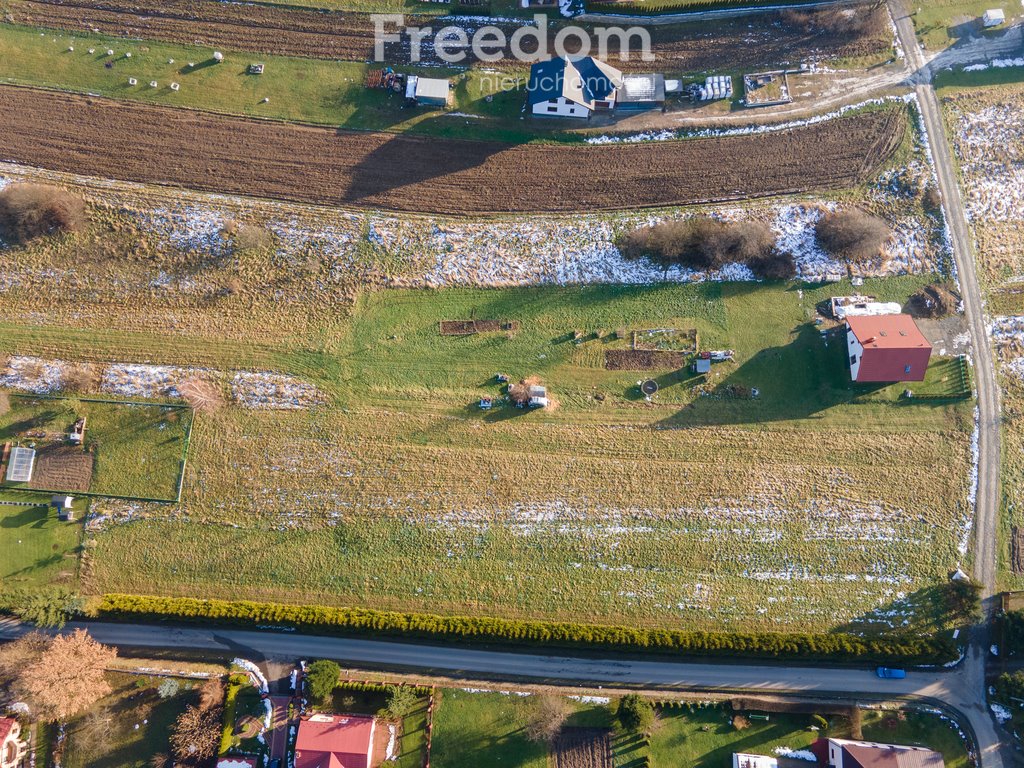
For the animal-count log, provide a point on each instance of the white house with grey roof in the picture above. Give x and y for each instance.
(572, 87)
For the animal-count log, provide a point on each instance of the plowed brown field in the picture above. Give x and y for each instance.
(766, 41)
(134, 142)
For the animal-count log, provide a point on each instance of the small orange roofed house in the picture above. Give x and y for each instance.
(886, 348)
(335, 741)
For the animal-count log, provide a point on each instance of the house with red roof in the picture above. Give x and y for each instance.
(886, 348)
(335, 741)
(12, 748)
(846, 753)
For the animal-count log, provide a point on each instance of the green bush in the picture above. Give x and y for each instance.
(230, 704)
(894, 648)
(635, 713)
(322, 678)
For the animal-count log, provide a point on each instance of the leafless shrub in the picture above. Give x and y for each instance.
(203, 395)
(247, 238)
(546, 719)
(776, 265)
(28, 211)
(211, 693)
(852, 234)
(699, 243)
(838, 20)
(196, 735)
(80, 378)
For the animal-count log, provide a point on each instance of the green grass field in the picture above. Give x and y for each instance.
(472, 729)
(137, 448)
(941, 23)
(38, 549)
(705, 506)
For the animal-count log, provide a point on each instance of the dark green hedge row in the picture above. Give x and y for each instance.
(681, 6)
(361, 687)
(781, 645)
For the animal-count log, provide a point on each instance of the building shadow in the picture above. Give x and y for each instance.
(405, 162)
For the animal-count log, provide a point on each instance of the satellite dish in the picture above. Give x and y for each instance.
(649, 387)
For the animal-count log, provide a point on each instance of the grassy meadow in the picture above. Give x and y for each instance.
(987, 132)
(705, 505)
(942, 23)
(815, 504)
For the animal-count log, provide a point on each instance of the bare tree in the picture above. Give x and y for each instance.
(196, 735)
(547, 718)
(14, 657)
(66, 678)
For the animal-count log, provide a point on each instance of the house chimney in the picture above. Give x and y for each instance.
(869, 339)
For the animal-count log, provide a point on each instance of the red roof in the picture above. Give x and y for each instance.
(6, 726)
(894, 348)
(334, 741)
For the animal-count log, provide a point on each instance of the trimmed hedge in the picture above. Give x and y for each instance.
(788, 645)
(367, 687)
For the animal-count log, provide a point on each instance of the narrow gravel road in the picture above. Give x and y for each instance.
(986, 516)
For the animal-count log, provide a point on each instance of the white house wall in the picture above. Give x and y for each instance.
(560, 107)
(855, 350)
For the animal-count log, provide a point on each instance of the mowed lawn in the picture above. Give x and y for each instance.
(137, 448)
(815, 504)
(478, 728)
(38, 549)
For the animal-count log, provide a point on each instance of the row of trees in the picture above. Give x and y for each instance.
(703, 243)
(323, 678)
(894, 648)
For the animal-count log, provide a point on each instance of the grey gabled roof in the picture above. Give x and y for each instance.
(583, 80)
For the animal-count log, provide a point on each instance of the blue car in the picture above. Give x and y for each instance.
(891, 673)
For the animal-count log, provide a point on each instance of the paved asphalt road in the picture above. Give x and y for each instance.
(986, 520)
(953, 687)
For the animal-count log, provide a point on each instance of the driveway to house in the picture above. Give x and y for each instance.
(277, 739)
